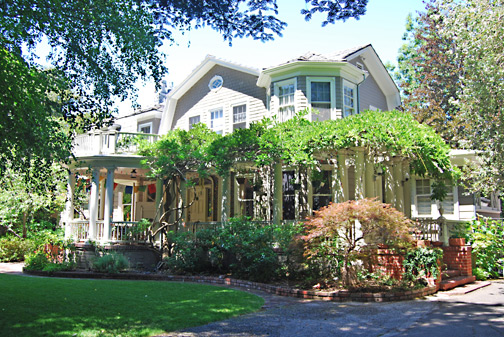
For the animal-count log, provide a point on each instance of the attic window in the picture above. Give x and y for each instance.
(215, 83)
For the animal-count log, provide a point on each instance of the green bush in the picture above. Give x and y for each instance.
(486, 237)
(36, 261)
(14, 249)
(110, 263)
(420, 264)
(241, 247)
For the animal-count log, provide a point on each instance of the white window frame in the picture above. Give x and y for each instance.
(189, 121)
(246, 114)
(143, 125)
(434, 213)
(277, 86)
(332, 86)
(355, 107)
(216, 79)
(222, 126)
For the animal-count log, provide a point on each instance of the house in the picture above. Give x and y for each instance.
(227, 96)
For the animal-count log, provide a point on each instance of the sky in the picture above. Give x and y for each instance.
(383, 26)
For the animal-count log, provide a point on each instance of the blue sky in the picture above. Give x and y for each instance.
(383, 26)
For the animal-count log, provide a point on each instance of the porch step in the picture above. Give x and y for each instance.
(450, 273)
(456, 281)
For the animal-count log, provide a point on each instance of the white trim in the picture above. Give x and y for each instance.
(434, 213)
(231, 113)
(353, 86)
(215, 83)
(332, 85)
(143, 125)
(189, 120)
(276, 99)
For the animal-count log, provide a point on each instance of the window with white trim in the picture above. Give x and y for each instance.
(448, 202)
(215, 83)
(286, 92)
(423, 199)
(217, 120)
(321, 97)
(349, 99)
(239, 116)
(145, 127)
(194, 120)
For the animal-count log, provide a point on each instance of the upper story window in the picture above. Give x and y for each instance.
(217, 120)
(321, 96)
(145, 127)
(193, 120)
(239, 116)
(349, 99)
(285, 91)
(215, 83)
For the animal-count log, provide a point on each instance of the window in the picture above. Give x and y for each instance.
(289, 195)
(321, 189)
(320, 94)
(145, 127)
(423, 200)
(193, 120)
(448, 202)
(349, 99)
(246, 196)
(215, 83)
(217, 120)
(285, 91)
(239, 117)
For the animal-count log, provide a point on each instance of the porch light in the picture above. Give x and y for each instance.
(133, 174)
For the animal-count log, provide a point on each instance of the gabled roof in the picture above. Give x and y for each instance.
(204, 67)
(339, 56)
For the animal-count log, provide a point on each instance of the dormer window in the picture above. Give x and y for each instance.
(215, 83)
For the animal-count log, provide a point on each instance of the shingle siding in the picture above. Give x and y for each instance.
(238, 88)
(370, 93)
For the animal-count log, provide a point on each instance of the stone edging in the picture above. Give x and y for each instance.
(335, 296)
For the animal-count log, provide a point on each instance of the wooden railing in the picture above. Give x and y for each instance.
(108, 142)
(121, 231)
(427, 229)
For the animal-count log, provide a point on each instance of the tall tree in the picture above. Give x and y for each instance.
(428, 74)
(477, 29)
(98, 51)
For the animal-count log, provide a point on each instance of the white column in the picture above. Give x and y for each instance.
(343, 175)
(277, 193)
(109, 204)
(69, 206)
(93, 204)
(360, 182)
(389, 185)
(369, 177)
(225, 198)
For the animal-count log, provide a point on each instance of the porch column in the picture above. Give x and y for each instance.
(69, 206)
(369, 177)
(226, 198)
(398, 184)
(93, 203)
(343, 175)
(389, 185)
(183, 200)
(407, 188)
(277, 193)
(109, 203)
(360, 182)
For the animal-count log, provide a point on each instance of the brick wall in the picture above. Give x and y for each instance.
(386, 261)
(458, 258)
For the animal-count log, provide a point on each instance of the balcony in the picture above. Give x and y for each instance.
(108, 142)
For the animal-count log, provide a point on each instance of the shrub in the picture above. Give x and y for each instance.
(110, 263)
(486, 237)
(14, 249)
(337, 233)
(241, 247)
(36, 261)
(420, 264)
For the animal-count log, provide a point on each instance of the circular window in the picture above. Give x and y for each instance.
(215, 82)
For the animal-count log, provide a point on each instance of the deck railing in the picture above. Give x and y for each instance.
(108, 142)
(121, 231)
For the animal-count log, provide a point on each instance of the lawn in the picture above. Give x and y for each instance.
(33, 306)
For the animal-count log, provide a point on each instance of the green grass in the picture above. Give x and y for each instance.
(33, 306)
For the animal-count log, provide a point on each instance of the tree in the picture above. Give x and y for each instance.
(476, 28)
(98, 51)
(428, 74)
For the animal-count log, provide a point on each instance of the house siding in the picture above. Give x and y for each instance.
(370, 93)
(238, 88)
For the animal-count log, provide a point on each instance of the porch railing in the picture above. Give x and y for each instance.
(108, 142)
(427, 229)
(121, 231)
